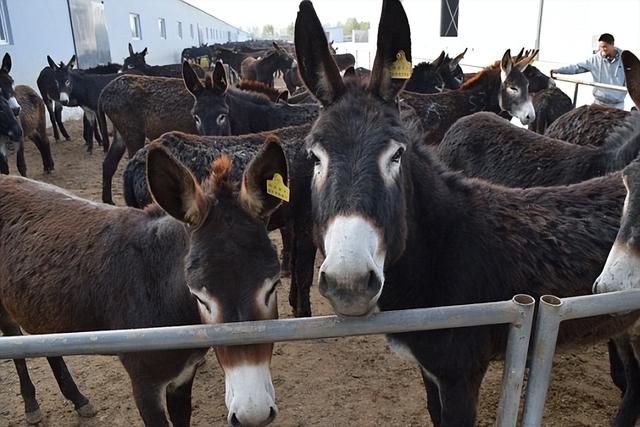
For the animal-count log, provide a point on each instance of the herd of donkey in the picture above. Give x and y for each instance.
(416, 190)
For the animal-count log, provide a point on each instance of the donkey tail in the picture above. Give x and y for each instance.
(102, 125)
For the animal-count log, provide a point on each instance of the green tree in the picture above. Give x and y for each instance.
(290, 29)
(353, 24)
(268, 31)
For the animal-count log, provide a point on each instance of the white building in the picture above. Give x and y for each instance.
(100, 31)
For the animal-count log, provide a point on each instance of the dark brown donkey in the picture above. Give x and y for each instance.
(10, 134)
(144, 107)
(399, 230)
(209, 260)
(34, 124)
(136, 62)
(262, 69)
(499, 87)
(588, 124)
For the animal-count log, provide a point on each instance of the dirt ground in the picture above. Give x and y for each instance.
(332, 382)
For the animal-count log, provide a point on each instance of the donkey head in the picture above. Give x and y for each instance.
(6, 84)
(537, 79)
(210, 110)
(514, 90)
(61, 89)
(357, 144)
(425, 77)
(135, 60)
(451, 72)
(622, 269)
(227, 229)
(9, 125)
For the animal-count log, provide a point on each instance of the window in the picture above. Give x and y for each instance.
(179, 29)
(162, 27)
(449, 18)
(191, 29)
(5, 31)
(134, 23)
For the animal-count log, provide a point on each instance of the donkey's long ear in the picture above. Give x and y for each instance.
(524, 62)
(6, 63)
(72, 62)
(191, 80)
(438, 61)
(259, 197)
(130, 50)
(218, 79)
(393, 56)
(519, 55)
(631, 66)
(144, 52)
(52, 63)
(505, 65)
(455, 61)
(315, 63)
(173, 187)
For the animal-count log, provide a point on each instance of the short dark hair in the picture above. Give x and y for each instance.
(607, 38)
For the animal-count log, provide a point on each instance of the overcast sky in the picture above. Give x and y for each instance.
(280, 13)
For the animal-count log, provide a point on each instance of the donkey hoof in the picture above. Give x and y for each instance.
(34, 417)
(87, 411)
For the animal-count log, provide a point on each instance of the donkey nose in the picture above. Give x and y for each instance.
(16, 111)
(234, 421)
(352, 296)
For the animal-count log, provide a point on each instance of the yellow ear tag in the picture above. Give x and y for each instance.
(277, 188)
(401, 68)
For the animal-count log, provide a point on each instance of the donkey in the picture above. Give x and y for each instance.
(499, 87)
(486, 146)
(6, 84)
(142, 107)
(50, 93)
(34, 126)
(10, 133)
(81, 89)
(262, 69)
(207, 260)
(417, 235)
(136, 62)
(550, 104)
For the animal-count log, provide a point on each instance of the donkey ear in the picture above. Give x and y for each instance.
(505, 65)
(524, 63)
(173, 187)
(349, 72)
(6, 63)
(269, 161)
(191, 80)
(52, 63)
(130, 50)
(455, 61)
(283, 97)
(436, 62)
(144, 52)
(519, 55)
(393, 52)
(218, 79)
(631, 66)
(315, 64)
(72, 62)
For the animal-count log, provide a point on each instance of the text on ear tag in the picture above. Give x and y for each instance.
(401, 68)
(277, 188)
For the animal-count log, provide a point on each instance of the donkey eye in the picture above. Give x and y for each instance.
(397, 155)
(316, 160)
(67, 82)
(513, 88)
(197, 119)
(221, 119)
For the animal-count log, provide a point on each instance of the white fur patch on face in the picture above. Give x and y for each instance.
(621, 271)
(13, 103)
(503, 76)
(321, 167)
(64, 97)
(389, 162)
(526, 113)
(353, 249)
(250, 395)
(207, 306)
(3, 147)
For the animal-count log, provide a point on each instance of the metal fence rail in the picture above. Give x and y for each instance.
(518, 312)
(552, 311)
(587, 83)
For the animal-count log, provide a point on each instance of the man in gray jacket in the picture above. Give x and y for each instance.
(606, 67)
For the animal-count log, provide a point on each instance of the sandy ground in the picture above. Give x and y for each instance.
(333, 382)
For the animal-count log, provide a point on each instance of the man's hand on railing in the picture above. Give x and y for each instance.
(552, 72)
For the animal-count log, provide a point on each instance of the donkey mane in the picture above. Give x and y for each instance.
(490, 69)
(219, 181)
(250, 96)
(259, 88)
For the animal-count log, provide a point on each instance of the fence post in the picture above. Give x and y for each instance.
(545, 336)
(515, 361)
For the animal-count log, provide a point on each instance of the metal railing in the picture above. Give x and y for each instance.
(551, 311)
(518, 312)
(587, 83)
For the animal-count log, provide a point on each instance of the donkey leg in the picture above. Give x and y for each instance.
(302, 261)
(27, 389)
(459, 398)
(22, 165)
(87, 133)
(52, 118)
(96, 131)
(287, 235)
(69, 388)
(434, 406)
(58, 114)
(110, 165)
(4, 166)
(616, 367)
(630, 406)
(179, 402)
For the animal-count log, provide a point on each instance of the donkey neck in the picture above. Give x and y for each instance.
(483, 90)
(86, 87)
(249, 112)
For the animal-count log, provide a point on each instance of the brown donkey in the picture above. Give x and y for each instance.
(209, 260)
(34, 124)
